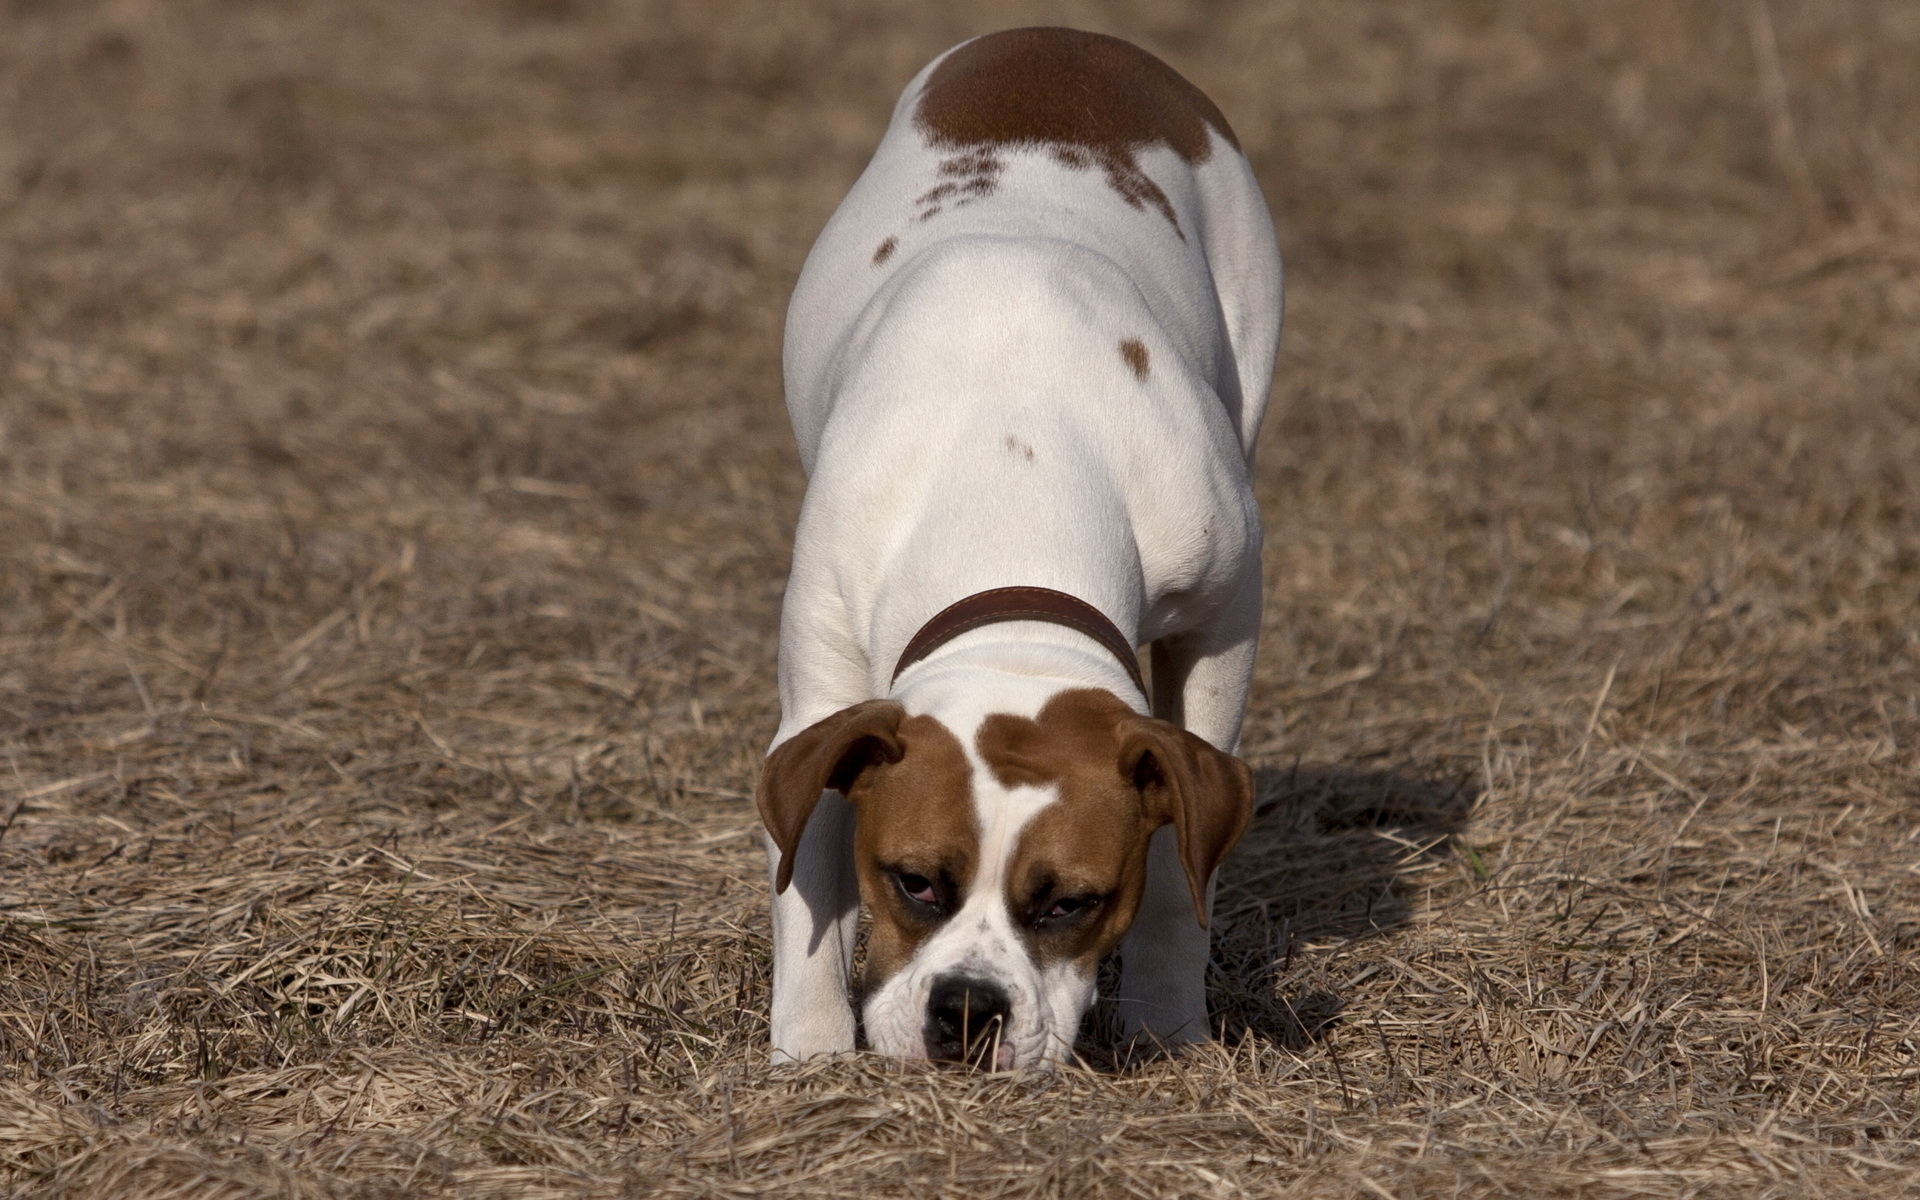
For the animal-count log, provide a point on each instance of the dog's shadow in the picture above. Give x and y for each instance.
(1332, 855)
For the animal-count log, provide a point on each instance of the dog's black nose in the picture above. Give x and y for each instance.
(966, 1019)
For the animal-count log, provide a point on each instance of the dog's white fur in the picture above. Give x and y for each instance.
(968, 422)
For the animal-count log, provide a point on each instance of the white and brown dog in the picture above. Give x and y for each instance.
(1026, 363)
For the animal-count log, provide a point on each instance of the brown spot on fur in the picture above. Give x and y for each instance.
(1093, 840)
(964, 178)
(1121, 777)
(914, 813)
(884, 250)
(1090, 98)
(1135, 352)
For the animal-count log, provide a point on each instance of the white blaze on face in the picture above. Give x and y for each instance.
(982, 939)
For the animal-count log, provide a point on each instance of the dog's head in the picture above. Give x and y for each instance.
(1002, 853)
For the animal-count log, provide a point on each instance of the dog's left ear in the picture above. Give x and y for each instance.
(1205, 793)
(830, 753)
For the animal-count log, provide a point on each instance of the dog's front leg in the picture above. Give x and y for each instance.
(1200, 682)
(814, 923)
(1163, 962)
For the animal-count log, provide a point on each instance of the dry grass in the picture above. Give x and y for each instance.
(394, 496)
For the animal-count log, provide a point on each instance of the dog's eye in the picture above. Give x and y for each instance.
(1066, 908)
(918, 889)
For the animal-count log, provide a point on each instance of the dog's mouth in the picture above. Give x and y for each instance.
(990, 1050)
(990, 1053)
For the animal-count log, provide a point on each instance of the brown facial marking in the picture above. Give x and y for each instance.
(915, 814)
(1092, 842)
(1135, 352)
(884, 250)
(1090, 98)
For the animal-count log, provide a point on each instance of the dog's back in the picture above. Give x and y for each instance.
(1067, 147)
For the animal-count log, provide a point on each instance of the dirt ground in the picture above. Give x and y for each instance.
(395, 498)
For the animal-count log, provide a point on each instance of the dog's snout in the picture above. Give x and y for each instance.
(967, 1020)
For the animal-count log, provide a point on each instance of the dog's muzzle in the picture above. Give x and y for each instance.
(967, 1020)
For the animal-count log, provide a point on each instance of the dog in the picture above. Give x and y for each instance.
(1026, 363)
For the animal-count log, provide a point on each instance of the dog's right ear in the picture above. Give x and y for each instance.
(830, 753)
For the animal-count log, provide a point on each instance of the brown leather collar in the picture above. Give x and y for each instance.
(1021, 604)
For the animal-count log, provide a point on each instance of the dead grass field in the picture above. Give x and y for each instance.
(395, 497)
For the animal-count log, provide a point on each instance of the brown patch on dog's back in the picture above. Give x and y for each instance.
(1135, 352)
(1093, 840)
(964, 178)
(916, 813)
(1090, 98)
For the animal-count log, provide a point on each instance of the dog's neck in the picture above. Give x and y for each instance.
(1014, 667)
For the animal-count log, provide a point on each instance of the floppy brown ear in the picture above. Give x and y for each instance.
(830, 753)
(1206, 794)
